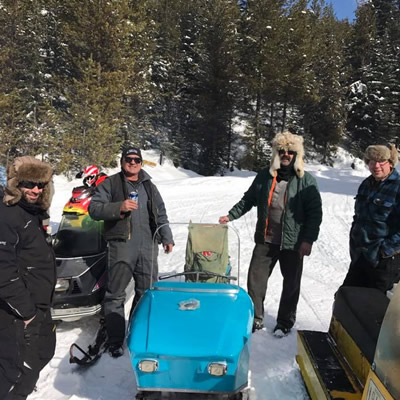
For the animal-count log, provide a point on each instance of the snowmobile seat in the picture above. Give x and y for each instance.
(361, 311)
(207, 250)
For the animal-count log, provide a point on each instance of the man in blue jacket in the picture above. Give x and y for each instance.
(289, 214)
(375, 232)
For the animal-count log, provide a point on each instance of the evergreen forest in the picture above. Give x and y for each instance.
(206, 82)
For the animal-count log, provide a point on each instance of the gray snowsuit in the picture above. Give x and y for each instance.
(130, 242)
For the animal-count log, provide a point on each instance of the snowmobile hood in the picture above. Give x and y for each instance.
(196, 320)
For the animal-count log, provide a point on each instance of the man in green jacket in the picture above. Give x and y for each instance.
(289, 214)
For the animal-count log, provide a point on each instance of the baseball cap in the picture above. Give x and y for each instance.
(131, 151)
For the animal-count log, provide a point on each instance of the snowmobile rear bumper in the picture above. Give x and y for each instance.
(74, 313)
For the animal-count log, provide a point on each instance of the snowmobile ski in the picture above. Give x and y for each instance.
(94, 351)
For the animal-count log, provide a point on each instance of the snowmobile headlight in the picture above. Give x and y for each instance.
(217, 368)
(62, 285)
(148, 366)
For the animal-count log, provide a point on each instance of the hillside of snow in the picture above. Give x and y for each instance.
(274, 374)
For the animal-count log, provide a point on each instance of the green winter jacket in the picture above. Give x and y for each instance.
(302, 215)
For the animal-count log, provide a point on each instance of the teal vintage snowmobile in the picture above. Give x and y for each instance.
(191, 331)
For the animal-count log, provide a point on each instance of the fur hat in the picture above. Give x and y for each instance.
(287, 141)
(381, 153)
(28, 169)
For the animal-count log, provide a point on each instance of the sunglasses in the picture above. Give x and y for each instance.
(31, 185)
(136, 160)
(290, 152)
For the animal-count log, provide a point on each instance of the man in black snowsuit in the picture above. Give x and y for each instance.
(129, 226)
(27, 278)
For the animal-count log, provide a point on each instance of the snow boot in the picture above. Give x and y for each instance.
(280, 331)
(257, 325)
(115, 350)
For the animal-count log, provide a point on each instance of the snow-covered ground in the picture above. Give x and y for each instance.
(274, 373)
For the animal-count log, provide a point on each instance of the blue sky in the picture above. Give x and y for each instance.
(344, 8)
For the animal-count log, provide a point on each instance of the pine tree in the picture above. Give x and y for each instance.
(193, 75)
(217, 93)
(25, 121)
(90, 127)
(260, 72)
(99, 87)
(324, 108)
(373, 103)
(165, 76)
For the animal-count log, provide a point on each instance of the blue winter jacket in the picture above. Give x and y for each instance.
(375, 231)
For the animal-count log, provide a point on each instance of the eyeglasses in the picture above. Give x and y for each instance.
(31, 185)
(380, 163)
(281, 152)
(136, 160)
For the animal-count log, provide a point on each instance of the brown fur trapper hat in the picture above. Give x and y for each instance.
(28, 169)
(287, 141)
(381, 153)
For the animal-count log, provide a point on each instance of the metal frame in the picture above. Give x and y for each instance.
(155, 245)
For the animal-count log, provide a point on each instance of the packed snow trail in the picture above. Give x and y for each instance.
(274, 374)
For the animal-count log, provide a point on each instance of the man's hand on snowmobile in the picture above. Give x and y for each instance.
(224, 219)
(128, 205)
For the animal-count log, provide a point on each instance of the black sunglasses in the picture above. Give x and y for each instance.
(31, 185)
(290, 152)
(136, 160)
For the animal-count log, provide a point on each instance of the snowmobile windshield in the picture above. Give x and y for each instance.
(79, 236)
(387, 354)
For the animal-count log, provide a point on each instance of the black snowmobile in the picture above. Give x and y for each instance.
(81, 257)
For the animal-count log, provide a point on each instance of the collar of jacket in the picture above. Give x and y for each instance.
(143, 176)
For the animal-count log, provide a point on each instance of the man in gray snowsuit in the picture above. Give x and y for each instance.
(129, 226)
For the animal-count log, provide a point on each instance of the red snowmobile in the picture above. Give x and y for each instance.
(81, 195)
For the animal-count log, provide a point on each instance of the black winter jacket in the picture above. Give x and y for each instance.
(27, 262)
(106, 202)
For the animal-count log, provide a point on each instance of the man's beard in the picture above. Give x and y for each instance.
(29, 200)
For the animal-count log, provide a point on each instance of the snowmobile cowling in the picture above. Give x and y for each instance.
(185, 330)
